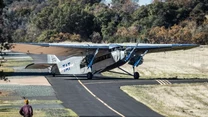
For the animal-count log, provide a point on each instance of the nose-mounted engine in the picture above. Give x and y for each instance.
(116, 52)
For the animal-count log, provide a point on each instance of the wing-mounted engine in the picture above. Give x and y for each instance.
(133, 56)
(136, 60)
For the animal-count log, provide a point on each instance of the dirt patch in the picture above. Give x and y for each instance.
(33, 80)
(4, 93)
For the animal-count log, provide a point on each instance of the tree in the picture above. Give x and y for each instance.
(169, 21)
(16, 17)
(91, 2)
(128, 6)
(3, 37)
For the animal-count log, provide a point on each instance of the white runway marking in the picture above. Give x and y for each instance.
(164, 82)
(99, 99)
(91, 83)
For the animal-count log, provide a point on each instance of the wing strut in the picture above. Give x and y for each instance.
(91, 61)
(130, 54)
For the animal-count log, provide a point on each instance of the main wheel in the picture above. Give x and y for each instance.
(136, 75)
(89, 75)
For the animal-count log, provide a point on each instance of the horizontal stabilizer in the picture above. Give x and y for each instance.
(38, 66)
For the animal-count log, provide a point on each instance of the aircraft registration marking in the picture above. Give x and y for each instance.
(67, 66)
(99, 98)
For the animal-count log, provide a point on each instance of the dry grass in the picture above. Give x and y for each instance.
(178, 100)
(16, 62)
(5, 69)
(12, 112)
(191, 63)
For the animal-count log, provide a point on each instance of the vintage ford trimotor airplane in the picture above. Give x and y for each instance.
(92, 59)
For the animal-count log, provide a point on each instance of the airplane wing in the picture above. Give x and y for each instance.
(58, 49)
(63, 49)
(38, 66)
(153, 48)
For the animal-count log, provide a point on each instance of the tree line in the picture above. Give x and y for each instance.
(169, 21)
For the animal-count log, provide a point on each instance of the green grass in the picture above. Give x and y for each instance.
(19, 102)
(15, 63)
(59, 112)
(5, 69)
(13, 112)
(9, 109)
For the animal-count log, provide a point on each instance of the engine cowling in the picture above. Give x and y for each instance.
(116, 52)
(134, 59)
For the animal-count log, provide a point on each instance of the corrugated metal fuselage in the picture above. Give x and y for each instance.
(79, 65)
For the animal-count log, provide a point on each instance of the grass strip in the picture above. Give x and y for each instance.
(177, 100)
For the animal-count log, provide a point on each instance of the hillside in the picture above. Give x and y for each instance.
(172, 21)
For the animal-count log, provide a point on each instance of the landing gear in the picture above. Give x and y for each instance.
(89, 75)
(54, 75)
(136, 75)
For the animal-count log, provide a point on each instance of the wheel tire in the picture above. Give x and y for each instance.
(89, 75)
(54, 75)
(136, 75)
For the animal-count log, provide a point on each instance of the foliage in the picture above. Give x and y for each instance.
(172, 21)
(186, 32)
(4, 38)
(67, 18)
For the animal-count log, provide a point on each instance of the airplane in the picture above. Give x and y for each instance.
(91, 59)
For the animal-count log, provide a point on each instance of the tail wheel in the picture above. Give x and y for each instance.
(89, 75)
(136, 75)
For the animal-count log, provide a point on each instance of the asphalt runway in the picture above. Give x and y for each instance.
(102, 96)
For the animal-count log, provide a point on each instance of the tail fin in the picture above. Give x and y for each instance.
(52, 59)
